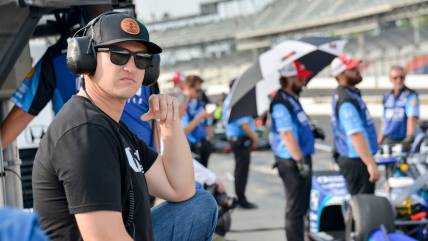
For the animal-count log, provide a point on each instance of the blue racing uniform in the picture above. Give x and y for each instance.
(350, 115)
(194, 107)
(198, 136)
(241, 145)
(287, 114)
(48, 80)
(233, 128)
(135, 107)
(396, 111)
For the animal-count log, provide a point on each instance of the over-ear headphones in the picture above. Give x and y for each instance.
(81, 54)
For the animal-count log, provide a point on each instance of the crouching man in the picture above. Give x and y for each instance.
(92, 177)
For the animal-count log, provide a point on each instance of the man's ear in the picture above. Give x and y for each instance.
(340, 77)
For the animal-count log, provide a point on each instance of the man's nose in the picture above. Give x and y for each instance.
(130, 65)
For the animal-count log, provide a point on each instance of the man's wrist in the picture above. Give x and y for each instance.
(199, 119)
(170, 126)
(371, 162)
(299, 159)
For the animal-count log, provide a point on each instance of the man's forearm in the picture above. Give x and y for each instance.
(411, 125)
(249, 132)
(12, 126)
(177, 159)
(380, 135)
(292, 145)
(361, 147)
(192, 125)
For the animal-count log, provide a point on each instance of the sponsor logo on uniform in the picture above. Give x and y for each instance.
(30, 73)
(130, 26)
(389, 101)
(302, 117)
(348, 113)
(279, 113)
(394, 114)
(134, 160)
(402, 101)
(137, 98)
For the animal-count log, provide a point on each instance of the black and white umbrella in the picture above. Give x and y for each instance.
(250, 93)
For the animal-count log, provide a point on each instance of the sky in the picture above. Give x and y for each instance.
(147, 8)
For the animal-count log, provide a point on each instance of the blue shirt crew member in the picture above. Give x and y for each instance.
(194, 108)
(48, 80)
(242, 136)
(298, 124)
(353, 129)
(292, 143)
(194, 119)
(400, 111)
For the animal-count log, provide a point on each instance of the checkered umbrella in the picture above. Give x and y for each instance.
(250, 93)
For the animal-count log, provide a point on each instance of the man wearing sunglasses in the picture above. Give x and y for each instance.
(51, 80)
(400, 111)
(353, 128)
(92, 176)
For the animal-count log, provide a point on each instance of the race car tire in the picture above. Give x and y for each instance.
(369, 212)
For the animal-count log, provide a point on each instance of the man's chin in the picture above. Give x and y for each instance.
(356, 81)
(399, 87)
(124, 95)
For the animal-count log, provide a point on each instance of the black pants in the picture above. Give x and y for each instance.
(297, 196)
(203, 149)
(241, 152)
(356, 175)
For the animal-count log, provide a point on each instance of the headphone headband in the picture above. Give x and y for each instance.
(81, 55)
(91, 23)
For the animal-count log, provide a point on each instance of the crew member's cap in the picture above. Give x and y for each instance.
(120, 27)
(342, 63)
(295, 69)
(178, 77)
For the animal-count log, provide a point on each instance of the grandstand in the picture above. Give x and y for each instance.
(383, 32)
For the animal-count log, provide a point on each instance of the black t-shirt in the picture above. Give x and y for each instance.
(86, 162)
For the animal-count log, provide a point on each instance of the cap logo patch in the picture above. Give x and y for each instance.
(130, 26)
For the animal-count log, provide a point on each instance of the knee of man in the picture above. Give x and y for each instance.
(204, 209)
(203, 200)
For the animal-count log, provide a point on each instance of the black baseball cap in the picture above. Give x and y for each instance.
(116, 27)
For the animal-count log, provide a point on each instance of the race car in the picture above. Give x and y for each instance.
(398, 211)
(335, 215)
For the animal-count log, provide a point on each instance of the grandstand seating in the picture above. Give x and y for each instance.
(381, 46)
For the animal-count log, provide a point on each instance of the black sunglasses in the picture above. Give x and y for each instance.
(398, 77)
(120, 56)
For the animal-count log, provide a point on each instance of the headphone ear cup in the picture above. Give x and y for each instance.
(152, 73)
(81, 58)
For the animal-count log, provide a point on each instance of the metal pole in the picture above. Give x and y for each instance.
(10, 170)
